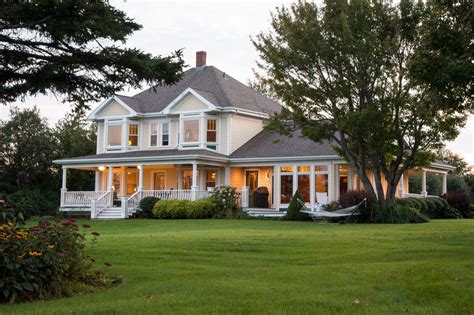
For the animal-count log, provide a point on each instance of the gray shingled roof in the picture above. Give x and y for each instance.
(267, 144)
(146, 153)
(216, 86)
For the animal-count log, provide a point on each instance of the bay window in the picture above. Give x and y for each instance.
(191, 131)
(165, 134)
(114, 135)
(132, 135)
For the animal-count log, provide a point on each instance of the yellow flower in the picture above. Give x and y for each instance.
(50, 246)
(36, 253)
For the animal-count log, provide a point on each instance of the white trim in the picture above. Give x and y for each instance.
(177, 100)
(93, 115)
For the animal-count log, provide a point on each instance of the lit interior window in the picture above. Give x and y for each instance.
(133, 135)
(211, 130)
(191, 130)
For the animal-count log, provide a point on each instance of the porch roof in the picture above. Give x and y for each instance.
(144, 155)
(273, 145)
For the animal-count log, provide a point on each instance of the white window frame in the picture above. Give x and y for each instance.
(162, 133)
(137, 123)
(159, 133)
(182, 121)
(114, 122)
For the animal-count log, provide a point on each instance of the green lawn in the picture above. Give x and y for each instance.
(273, 267)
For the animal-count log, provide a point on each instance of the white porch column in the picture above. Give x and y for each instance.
(123, 181)
(63, 187)
(445, 183)
(194, 182)
(227, 175)
(400, 187)
(97, 181)
(312, 187)
(140, 177)
(276, 188)
(109, 185)
(424, 192)
(295, 178)
(244, 198)
(332, 186)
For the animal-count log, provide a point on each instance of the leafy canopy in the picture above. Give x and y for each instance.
(356, 73)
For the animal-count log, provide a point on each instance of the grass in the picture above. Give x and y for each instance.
(263, 267)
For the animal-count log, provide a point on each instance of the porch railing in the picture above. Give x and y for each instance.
(174, 194)
(133, 201)
(99, 204)
(80, 198)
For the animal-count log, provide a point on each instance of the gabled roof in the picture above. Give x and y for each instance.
(214, 85)
(267, 144)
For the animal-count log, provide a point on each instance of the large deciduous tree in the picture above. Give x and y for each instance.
(356, 73)
(72, 48)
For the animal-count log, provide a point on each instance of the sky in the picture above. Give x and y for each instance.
(222, 28)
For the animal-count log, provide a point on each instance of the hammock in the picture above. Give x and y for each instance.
(318, 214)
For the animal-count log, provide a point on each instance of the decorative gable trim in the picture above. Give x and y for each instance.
(189, 91)
(103, 105)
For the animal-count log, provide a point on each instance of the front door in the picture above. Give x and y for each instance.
(251, 181)
(159, 181)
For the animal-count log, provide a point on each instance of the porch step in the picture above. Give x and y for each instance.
(262, 212)
(110, 213)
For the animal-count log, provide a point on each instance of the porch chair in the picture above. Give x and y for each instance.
(321, 199)
(321, 214)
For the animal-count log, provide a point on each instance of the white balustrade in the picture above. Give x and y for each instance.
(99, 204)
(80, 198)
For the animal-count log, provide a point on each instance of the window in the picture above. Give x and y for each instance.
(132, 135)
(211, 130)
(187, 180)
(211, 177)
(114, 135)
(191, 130)
(286, 188)
(154, 135)
(285, 169)
(165, 134)
(321, 188)
(321, 168)
(303, 186)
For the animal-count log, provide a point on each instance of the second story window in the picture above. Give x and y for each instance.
(114, 135)
(154, 135)
(165, 134)
(211, 130)
(191, 130)
(132, 135)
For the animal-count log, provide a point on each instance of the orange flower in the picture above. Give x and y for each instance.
(50, 246)
(34, 253)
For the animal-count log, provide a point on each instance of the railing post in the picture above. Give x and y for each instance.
(124, 207)
(245, 197)
(63, 196)
(93, 209)
(193, 193)
(110, 201)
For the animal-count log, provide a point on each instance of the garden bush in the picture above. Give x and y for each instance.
(294, 209)
(225, 199)
(354, 197)
(146, 207)
(459, 201)
(45, 261)
(171, 209)
(33, 202)
(201, 209)
(431, 207)
(398, 214)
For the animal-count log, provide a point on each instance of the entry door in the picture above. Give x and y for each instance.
(251, 181)
(159, 181)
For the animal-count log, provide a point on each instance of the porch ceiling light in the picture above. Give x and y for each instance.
(101, 168)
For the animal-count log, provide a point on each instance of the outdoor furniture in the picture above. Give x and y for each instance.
(321, 199)
(321, 214)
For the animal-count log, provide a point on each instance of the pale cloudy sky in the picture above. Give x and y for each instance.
(222, 28)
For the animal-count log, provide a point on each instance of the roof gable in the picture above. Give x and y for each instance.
(189, 101)
(112, 107)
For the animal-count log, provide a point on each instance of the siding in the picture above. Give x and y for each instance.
(189, 103)
(223, 134)
(243, 129)
(113, 109)
(100, 137)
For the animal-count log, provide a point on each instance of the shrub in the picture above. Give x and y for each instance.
(146, 206)
(171, 209)
(294, 209)
(354, 197)
(397, 214)
(44, 261)
(225, 200)
(456, 183)
(201, 209)
(32, 202)
(459, 201)
(431, 205)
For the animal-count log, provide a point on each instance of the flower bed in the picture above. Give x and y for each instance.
(46, 261)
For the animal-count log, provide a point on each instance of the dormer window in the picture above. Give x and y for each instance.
(132, 135)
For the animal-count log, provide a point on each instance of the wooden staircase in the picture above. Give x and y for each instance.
(110, 213)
